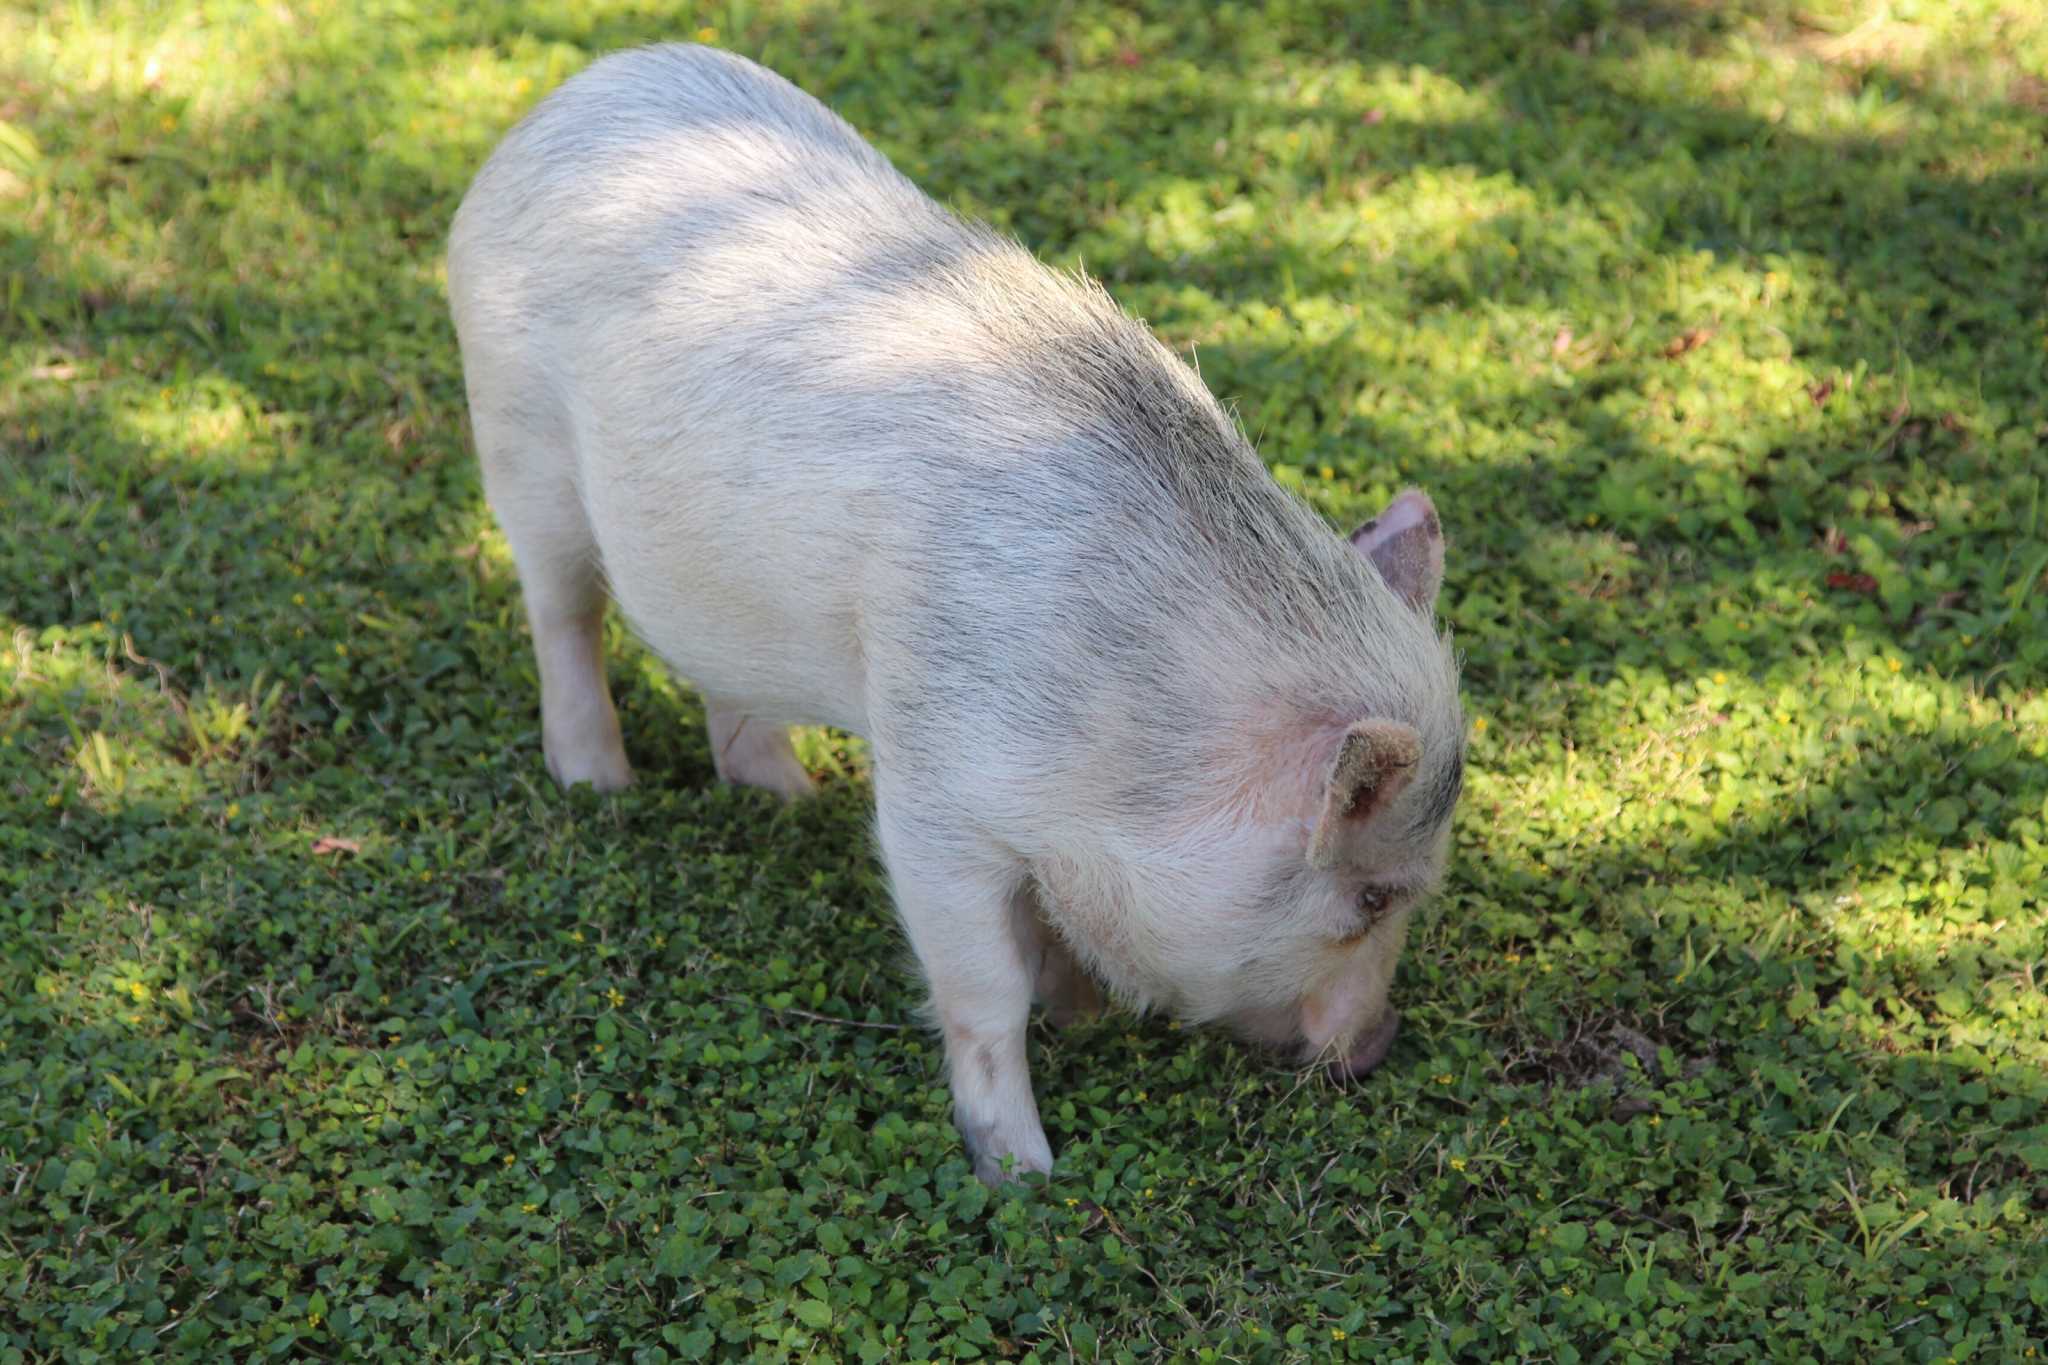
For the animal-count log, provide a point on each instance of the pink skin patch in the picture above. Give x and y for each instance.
(1370, 1049)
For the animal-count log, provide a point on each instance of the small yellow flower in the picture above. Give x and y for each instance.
(1656, 1119)
(234, 809)
(394, 1038)
(342, 650)
(597, 1047)
(138, 990)
(661, 940)
(312, 1319)
(1568, 1292)
(612, 994)
(529, 1208)
(521, 1090)
(1148, 1192)
(1720, 679)
(1444, 1078)
(509, 1158)
(1072, 1203)
(1479, 722)
(134, 1018)
(298, 599)
(1327, 473)
(707, 35)
(1457, 1163)
(1512, 958)
(576, 936)
(1336, 1334)
(1893, 664)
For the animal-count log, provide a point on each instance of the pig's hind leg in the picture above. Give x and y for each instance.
(527, 482)
(754, 752)
(965, 909)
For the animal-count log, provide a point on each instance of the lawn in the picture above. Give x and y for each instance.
(329, 1026)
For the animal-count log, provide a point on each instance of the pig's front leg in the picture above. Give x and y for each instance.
(1066, 992)
(961, 903)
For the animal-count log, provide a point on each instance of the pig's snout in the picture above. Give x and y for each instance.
(1370, 1049)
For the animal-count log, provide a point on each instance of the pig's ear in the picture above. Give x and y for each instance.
(1374, 762)
(1406, 544)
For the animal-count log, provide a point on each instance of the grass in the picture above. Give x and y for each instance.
(329, 1027)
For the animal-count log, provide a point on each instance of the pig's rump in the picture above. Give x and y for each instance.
(658, 282)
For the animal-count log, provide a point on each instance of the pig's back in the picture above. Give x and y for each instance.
(867, 463)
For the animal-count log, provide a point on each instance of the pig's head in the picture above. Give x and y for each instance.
(1382, 794)
(1284, 914)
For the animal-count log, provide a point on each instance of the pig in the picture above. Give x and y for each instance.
(1141, 721)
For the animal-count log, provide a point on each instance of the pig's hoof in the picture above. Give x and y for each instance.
(989, 1168)
(1079, 1002)
(792, 784)
(752, 753)
(989, 1151)
(605, 772)
(1063, 1017)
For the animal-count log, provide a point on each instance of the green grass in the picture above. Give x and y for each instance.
(1720, 335)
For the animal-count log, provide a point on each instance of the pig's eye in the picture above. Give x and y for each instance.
(1373, 904)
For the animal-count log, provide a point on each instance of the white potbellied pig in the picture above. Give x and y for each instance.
(1138, 717)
